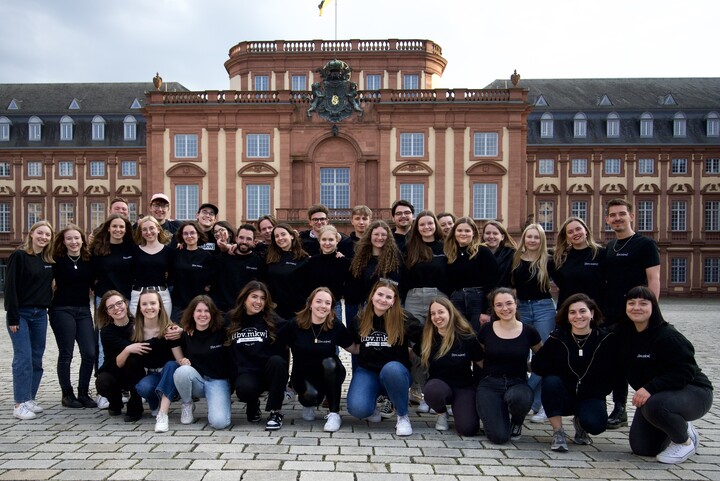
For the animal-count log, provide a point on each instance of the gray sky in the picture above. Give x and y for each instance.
(188, 40)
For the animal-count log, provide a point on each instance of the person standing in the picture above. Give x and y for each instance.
(631, 260)
(152, 262)
(330, 268)
(360, 217)
(503, 246)
(160, 210)
(205, 218)
(286, 267)
(402, 213)
(318, 217)
(28, 295)
(446, 221)
(193, 269)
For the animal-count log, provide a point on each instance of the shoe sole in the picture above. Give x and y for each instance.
(559, 449)
(675, 460)
(272, 428)
(618, 425)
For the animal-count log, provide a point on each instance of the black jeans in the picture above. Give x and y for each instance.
(72, 324)
(312, 383)
(558, 400)
(664, 418)
(273, 379)
(502, 401)
(438, 394)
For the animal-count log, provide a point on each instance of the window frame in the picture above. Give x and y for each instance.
(712, 166)
(257, 191)
(647, 125)
(65, 214)
(35, 164)
(5, 124)
(335, 183)
(711, 215)
(645, 171)
(409, 142)
(34, 213)
(643, 215)
(98, 129)
(35, 129)
(255, 145)
(127, 162)
(62, 167)
(542, 213)
(678, 215)
(577, 163)
(483, 207)
(612, 125)
(606, 165)
(5, 217)
(678, 270)
(679, 166)
(414, 77)
(580, 126)
(712, 125)
(186, 146)
(66, 128)
(547, 126)
(295, 77)
(261, 83)
(184, 207)
(542, 167)
(679, 125)
(711, 266)
(486, 144)
(93, 167)
(129, 128)
(409, 191)
(373, 76)
(5, 170)
(581, 213)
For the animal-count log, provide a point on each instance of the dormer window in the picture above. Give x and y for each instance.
(679, 125)
(712, 126)
(35, 128)
(129, 128)
(5, 124)
(98, 128)
(613, 125)
(546, 125)
(646, 125)
(66, 128)
(580, 125)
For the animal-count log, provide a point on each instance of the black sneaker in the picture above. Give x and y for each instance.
(274, 421)
(618, 417)
(253, 412)
(515, 431)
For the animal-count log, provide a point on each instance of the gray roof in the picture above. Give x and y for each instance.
(101, 98)
(624, 93)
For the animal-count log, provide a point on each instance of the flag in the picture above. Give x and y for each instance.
(322, 5)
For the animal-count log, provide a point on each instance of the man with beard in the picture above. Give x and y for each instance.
(402, 212)
(236, 267)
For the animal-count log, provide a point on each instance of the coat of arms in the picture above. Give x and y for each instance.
(335, 97)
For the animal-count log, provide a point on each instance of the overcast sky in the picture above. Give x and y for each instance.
(187, 41)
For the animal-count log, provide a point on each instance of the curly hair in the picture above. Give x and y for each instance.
(389, 258)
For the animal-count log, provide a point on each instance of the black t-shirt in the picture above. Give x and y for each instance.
(191, 273)
(252, 346)
(375, 351)
(73, 281)
(431, 273)
(114, 339)
(287, 284)
(207, 352)
(232, 272)
(507, 357)
(526, 284)
(504, 257)
(115, 270)
(160, 352)
(579, 273)
(310, 346)
(152, 269)
(624, 267)
(455, 367)
(480, 271)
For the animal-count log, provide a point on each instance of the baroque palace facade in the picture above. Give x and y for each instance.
(296, 128)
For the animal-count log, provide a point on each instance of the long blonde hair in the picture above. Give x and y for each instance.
(48, 251)
(457, 327)
(538, 267)
(304, 316)
(163, 319)
(394, 317)
(562, 247)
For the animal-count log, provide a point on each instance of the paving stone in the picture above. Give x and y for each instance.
(28, 474)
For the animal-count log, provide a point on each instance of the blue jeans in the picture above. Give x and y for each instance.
(155, 384)
(98, 343)
(71, 324)
(393, 380)
(539, 314)
(28, 349)
(470, 301)
(190, 383)
(500, 402)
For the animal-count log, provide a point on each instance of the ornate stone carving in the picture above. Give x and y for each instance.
(335, 97)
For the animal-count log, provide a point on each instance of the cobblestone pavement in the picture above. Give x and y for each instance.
(86, 444)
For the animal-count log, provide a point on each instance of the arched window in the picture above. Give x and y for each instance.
(98, 128)
(712, 127)
(35, 128)
(546, 125)
(646, 125)
(66, 128)
(129, 128)
(5, 124)
(613, 125)
(580, 125)
(679, 125)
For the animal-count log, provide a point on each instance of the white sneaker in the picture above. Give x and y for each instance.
(162, 423)
(403, 426)
(125, 397)
(33, 406)
(441, 424)
(449, 411)
(375, 417)
(23, 412)
(423, 407)
(693, 435)
(186, 414)
(289, 396)
(333, 423)
(308, 414)
(539, 417)
(676, 453)
(102, 402)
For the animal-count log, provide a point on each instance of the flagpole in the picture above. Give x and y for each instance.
(336, 5)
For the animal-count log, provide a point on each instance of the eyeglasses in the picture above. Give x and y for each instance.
(116, 306)
(160, 206)
(207, 212)
(189, 234)
(405, 213)
(317, 220)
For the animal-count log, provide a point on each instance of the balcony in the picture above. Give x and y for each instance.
(310, 46)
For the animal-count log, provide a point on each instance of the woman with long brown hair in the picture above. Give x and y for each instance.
(286, 266)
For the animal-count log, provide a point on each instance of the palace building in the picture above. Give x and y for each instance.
(351, 122)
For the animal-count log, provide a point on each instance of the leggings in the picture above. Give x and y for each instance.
(273, 378)
(312, 383)
(439, 394)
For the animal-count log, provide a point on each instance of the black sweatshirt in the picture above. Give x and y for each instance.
(231, 274)
(330, 271)
(72, 286)
(114, 339)
(579, 273)
(432, 273)
(28, 283)
(480, 271)
(251, 346)
(207, 352)
(115, 270)
(456, 366)
(287, 283)
(375, 351)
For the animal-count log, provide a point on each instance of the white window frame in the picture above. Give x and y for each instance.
(34, 213)
(97, 214)
(132, 212)
(712, 125)
(335, 187)
(411, 81)
(679, 125)
(373, 81)
(579, 208)
(34, 129)
(612, 129)
(34, 168)
(679, 166)
(613, 167)
(187, 201)
(66, 168)
(5, 169)
(66, 214)
(97, 168)
(546, 125)
(261, 83)
(412, 144)
(711, 270)
(413, 193)
(678, 215)
(66, 128)
(98, 128)
(186, 146)
(579, 166)
(129, 128)
(5, 124)
(711, 214)
(485, 200)
(5, 212)
(258, 146)
(298, 83)
(645, 216)
(646, 125)
(257, 200)
(580, 125)
(485, 144)
(712, 166)
(678, 270)
(128, 168)
(646, 166)
(546, 167)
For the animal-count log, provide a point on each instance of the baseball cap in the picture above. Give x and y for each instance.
(161, 197)
(212, 207)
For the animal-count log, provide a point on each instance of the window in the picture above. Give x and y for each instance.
(258, 145)
(258, 201)
(133, 212)
(4, 216)
(129, 128)
(97, 214)
(415, 194)
(128, 168)
(66, 214)
(712, 216)
(579, 208)
(34, 168)
(612, 167)
(186, 145)
(646, 166)
(412, 145)
(484, 202)
(98, 128)
(411, 82)
(678, 215)
(580, 125)
(66, 128)
(644, 217)
(711, 272)
(97, 168)
(579, 167)
(646, 125)
(262, 82)
(546, 167)
(713, 125)
(298, 83)
(712, 166)
(373, 82)
(34, 129)
(679, 125)
(65, 168)
(186, 201)
(34, 214)
(613, 125)
(546, 215)
(678, 270)
(546, 125)
(4, 169)
(485, 144)
(5, 124)
(679, 166)
(335, 188)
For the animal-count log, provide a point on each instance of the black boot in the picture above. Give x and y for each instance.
(618, 417)
(69, 400)
(134, 408)
(85, 399)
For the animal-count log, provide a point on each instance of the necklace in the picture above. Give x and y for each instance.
(74, 261)
(316, 334)
(615, 248)
(581, 341)
(127, 320)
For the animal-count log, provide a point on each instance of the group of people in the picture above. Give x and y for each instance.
(438, 313)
